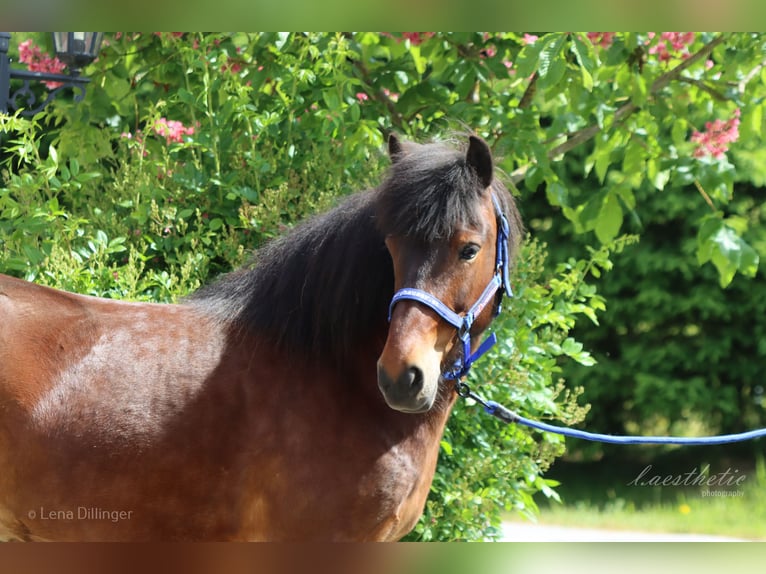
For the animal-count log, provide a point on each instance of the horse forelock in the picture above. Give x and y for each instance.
(430, 191)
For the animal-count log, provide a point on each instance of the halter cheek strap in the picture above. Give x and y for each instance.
(463, 323)
(502, 257)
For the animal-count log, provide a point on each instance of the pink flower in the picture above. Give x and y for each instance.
(603, 39)
(234, 68)
(530, 39)
(37, 61)
(28, 52)
(362, 97)
(172, 130)
(678, 42)
(715, 140)
(393, 96)
(417, 38)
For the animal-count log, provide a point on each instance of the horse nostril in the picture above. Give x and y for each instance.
(414, 378)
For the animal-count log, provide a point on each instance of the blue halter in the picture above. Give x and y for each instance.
(463, 323)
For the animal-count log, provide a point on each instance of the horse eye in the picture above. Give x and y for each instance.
(469, 252)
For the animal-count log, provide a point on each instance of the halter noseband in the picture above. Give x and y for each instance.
(463, 323)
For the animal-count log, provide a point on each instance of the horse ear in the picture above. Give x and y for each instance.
(394, 148)
(480, 159)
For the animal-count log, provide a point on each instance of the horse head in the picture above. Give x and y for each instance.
(443, 216)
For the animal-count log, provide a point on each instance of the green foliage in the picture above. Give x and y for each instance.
(676, 354)
(190, 150)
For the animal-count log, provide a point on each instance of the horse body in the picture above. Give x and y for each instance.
(217, 447)
(254, 409)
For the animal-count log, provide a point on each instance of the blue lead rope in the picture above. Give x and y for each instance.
(508, 416)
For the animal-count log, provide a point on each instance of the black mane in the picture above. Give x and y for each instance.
(323, 289)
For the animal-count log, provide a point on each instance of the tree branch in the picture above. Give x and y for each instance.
(529, 93)
(704, 195)
(588, 133)
(715, 94)
(381, 96)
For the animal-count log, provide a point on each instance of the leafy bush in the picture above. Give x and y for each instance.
(190, 150)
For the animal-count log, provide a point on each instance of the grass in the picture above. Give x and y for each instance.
(620, 494)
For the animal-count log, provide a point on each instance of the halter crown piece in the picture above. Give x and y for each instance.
(464, 322)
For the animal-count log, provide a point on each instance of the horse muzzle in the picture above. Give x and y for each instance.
(410, 387)
(407, 391)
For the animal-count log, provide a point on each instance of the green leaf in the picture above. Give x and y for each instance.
(570, 346)
(355, 113)
(633, 162)
(554, 72)
(216, 224)
(420, 61)
(552, 61)
(658, 177)
(609, 219)
(752, 120)
(591, 211)
(526, 62)
(720, 244)
(640, 91)
(184, 96)
(749, 260)
(282, 38)
(678, 131)
(603, 160)
(582, 52)
(331, 98)
(626, 196)
(557, 194)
